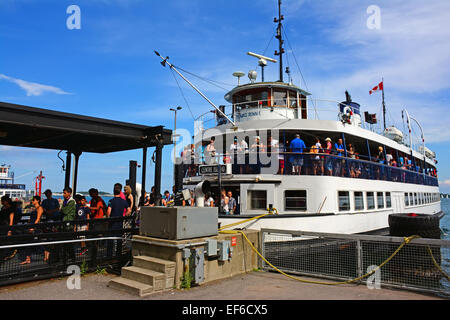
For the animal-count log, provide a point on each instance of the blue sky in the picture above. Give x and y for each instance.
(108, 68)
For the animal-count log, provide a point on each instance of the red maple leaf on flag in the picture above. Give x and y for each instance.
(377, 88)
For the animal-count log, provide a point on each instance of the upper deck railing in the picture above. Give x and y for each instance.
(312, 164)
(318, 109)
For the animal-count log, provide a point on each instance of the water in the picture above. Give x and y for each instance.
(106, 199)
(445, 221)
(445, 227)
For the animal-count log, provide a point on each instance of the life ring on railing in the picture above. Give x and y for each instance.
(347, 113)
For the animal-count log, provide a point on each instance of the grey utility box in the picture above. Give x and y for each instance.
(178, 223)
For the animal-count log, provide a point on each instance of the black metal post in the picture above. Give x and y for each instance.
(132, 178)
(345, 154)
(68, 169)
(75, 172)
(144, 173)
(368, 150)
(158, 166)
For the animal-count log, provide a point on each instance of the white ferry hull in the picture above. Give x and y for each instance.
(322, 192)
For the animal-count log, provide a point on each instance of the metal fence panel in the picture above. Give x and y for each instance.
(103, 245)
(420, 265)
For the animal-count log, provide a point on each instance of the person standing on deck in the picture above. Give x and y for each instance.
(339, 146)
(297, 146)
(35, 218)
(328, 159)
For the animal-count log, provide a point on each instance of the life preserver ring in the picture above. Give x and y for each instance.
(347, 113)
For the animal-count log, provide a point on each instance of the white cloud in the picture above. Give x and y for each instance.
(444, 183)
(33, 88)
(410, 51)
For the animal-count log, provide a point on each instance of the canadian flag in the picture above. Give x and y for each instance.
(377, 88)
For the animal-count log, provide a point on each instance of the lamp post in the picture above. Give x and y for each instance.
(174, 137)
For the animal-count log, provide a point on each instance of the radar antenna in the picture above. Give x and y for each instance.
(262, 62)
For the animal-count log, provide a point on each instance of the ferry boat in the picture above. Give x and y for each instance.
(352, 190)
(8, 187)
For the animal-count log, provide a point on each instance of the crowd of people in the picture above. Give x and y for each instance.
(226, 203)
(71, 208)
(295, 158)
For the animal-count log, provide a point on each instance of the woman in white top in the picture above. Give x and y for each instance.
(209, 201)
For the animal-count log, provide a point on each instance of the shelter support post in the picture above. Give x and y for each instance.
(75, 172)
(132, 178)
(158, 166)
(144, 173)
(68, 169)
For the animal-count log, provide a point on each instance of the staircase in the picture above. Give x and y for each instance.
(146, 276)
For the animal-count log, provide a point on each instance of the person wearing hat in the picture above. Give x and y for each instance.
(328, 159)
(51, 207)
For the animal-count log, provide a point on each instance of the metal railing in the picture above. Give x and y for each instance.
(52, 247)
(312, 164)
(422, 264)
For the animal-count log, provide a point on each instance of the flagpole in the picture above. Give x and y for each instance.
(384, 106)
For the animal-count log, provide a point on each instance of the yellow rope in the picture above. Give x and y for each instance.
(406, 241)
(437, 264)
(250, 219)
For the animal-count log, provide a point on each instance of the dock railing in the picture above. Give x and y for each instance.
(108, 244)
(420, 265)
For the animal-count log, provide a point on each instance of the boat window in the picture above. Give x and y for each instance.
(380, 200)
(293, 99)
(344, 201)
(406, 200)
(257, 199)
(251, 99)
(370, 200)
(388, 200)
(279, 97)
(295, 200)
(416, 199)
(359, 201)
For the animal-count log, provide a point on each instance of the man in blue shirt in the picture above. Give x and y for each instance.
(116, 207)
(51, 207)
(297, 146)
(339, 146)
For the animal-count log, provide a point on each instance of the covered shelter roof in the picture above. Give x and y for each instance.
(42, 128)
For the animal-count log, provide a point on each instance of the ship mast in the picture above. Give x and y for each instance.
(280, 39)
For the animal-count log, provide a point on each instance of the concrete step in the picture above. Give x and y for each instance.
(130, 286)
(156, 279)
(155, 264)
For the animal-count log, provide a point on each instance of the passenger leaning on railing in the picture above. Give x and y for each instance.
(317, 160)
(35, 218)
